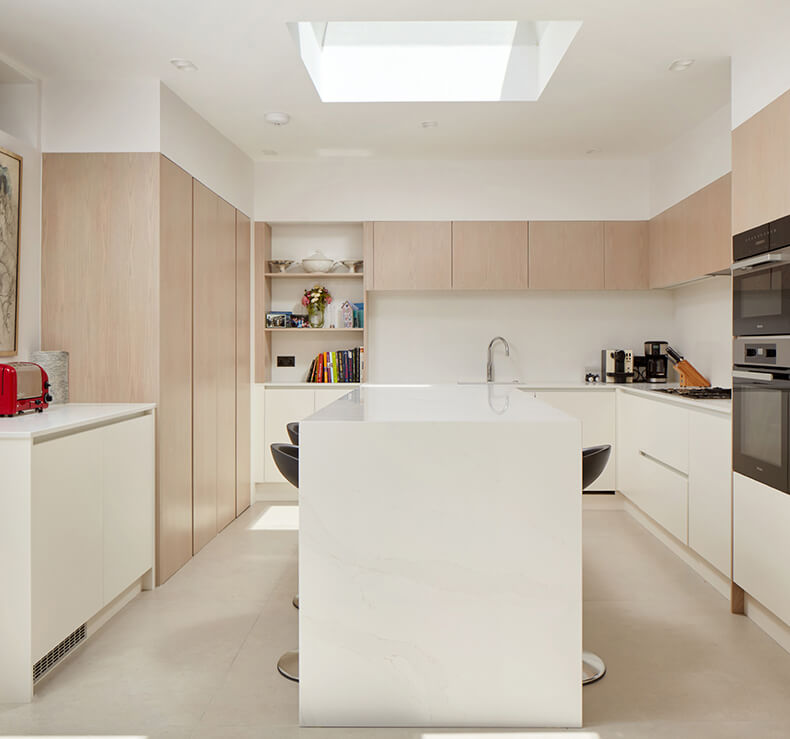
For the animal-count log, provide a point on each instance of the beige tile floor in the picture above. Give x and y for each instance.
(196, 657)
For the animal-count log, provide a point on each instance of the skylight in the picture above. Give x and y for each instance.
(423, 61)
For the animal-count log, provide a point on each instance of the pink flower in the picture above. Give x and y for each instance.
(328, 299)
(304, 300)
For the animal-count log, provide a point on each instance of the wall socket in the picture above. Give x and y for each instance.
(287, 360)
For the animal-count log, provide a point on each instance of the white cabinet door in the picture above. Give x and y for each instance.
(128, 503)
(596, 411)
(324, 397)
(710, 482)
(761, 546)
(662, 493)
(68, 584)
(259, 448)
(628, 423)
(282, 405)
(663, 432)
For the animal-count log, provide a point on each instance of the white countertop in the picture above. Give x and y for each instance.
(439, 404)
(60, 418)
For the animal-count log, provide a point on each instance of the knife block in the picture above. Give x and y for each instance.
(689, 376)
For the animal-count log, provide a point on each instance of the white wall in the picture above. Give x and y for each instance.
(691, 162)
(702, 329)
(29, 328)
(20, 105)
(360, 190)
(761, 61)
(196, 146)
(553, 335)
(100, 115)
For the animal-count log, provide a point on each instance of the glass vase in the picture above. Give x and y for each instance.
(315, 316)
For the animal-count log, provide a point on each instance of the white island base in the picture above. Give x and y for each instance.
(440, 568)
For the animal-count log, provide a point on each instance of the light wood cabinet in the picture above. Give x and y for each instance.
(174, 411)
(566, 255)
(159, 253)
(489, 255)
(625, 255)
(760, 163)
(214, 377)
(412, 255)
(243, 359)
(692, 238)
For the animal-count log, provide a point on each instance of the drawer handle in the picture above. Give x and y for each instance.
(662, 463)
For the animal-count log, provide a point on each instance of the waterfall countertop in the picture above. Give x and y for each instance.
(440, 534)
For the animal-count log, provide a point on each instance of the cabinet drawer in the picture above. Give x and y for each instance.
(662, 493)
(659, 429)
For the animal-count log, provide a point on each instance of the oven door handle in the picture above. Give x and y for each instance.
(762, 261)
(743, 375)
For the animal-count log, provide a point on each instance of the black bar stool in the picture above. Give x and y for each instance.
(286, 457)
(293, 432)
(594, 460)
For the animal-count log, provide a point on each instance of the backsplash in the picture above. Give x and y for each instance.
(553, 335)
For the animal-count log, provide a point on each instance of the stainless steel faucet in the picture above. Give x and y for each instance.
(490, 363)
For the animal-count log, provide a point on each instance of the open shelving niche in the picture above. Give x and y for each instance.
(283, 291)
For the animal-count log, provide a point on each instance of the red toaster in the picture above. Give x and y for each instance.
(23, 387)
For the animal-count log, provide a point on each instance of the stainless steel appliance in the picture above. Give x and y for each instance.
(761, 280)
(761, 410)
(617, 365)
(698, 393)
(656, 361)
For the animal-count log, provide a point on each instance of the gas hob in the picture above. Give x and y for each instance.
(701, 393)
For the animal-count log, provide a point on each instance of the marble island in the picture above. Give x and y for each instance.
(440, 574)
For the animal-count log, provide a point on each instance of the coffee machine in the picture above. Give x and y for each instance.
(656, 361)
(617, 365)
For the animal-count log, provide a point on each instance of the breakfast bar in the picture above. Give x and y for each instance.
(440, 568)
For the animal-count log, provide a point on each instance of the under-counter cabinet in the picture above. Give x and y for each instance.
(674, 464)
(566, 255)
(490, 255)
(280, 406)
(76, 529)
(412, 255)
(596, 411)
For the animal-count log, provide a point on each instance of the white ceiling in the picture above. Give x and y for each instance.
(612, 91)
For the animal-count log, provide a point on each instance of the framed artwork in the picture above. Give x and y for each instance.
(10, 201)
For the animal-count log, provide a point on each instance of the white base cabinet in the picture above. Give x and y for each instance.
(276, 407)
(674, 464)
(761, 545)
(596, 411)
(76, 525)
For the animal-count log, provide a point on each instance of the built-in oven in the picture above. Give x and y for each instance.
(761, 410)
(761, 280)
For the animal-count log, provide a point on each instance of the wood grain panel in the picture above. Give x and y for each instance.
(100, 272)
(489, 255)
(262, 304)
(566, 255)
(760, 163)
(412, 255)
(625, 255)
(367, 257)
(174, 413)
(692, 238)
(214, 364)
(243, 357)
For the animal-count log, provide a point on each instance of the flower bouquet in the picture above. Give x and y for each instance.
(315, 300)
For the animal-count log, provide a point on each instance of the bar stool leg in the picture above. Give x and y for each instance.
(288, 665)
(593, 668)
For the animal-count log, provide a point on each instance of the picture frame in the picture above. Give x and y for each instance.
(278, 319)
(10, 227)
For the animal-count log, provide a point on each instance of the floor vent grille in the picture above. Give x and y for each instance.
(51, 658)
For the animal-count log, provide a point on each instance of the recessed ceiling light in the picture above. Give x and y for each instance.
(184, 65)
(269, 152)
(277, 119)
(593, 151)
(429, 124)
(680, 65)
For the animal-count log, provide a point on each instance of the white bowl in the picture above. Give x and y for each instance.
(318, 262)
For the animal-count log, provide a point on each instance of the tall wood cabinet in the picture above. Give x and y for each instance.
(140, 268)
